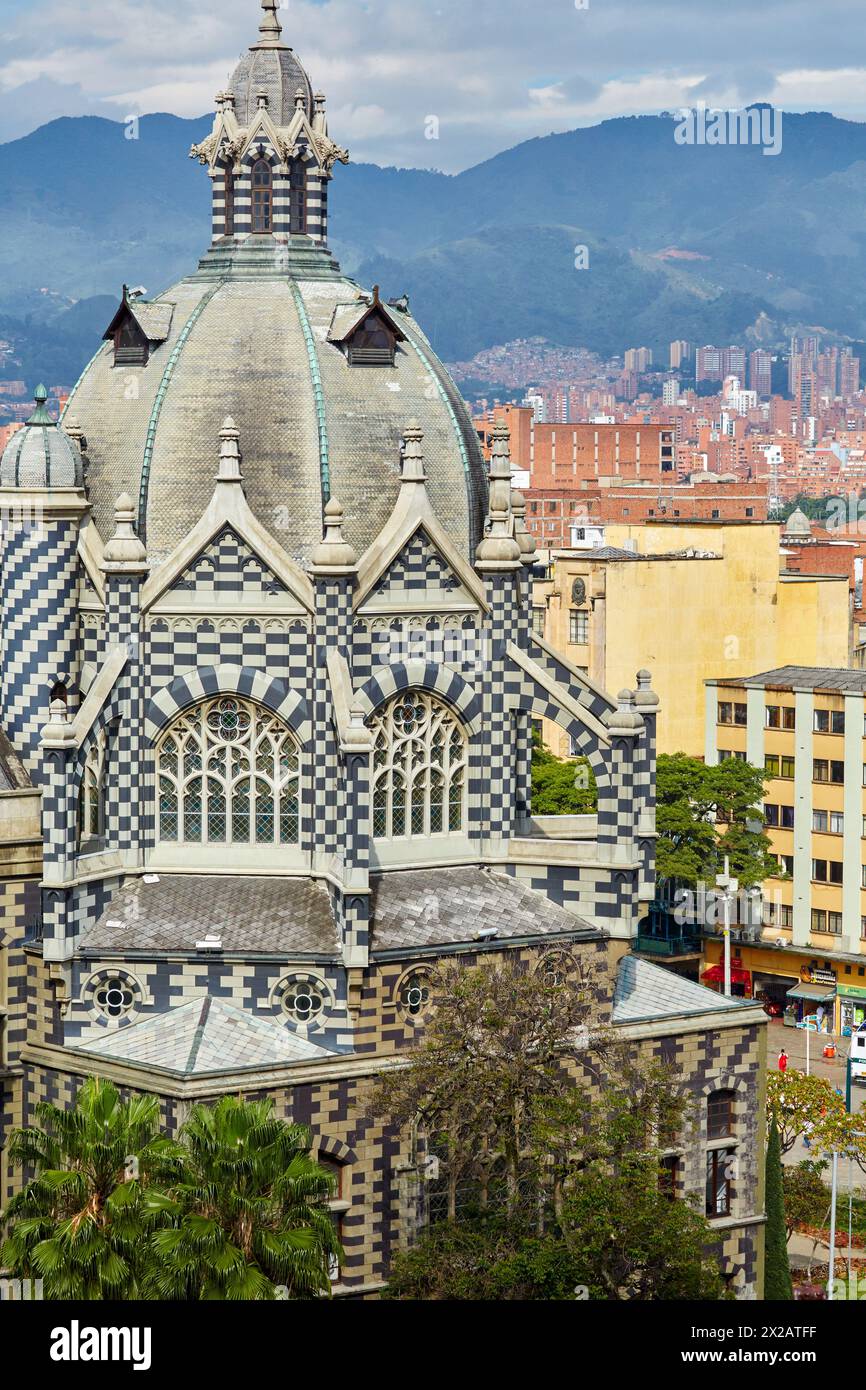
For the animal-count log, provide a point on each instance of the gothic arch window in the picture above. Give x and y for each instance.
(229, 773)
(91, 797)
(298, 197)
(263, 195)
(418, 768)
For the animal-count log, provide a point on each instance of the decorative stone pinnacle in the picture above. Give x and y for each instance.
(58, 732)
(522, 534)
(300, 99)
(499, 549)
(125, 551)
(333, 554)
(645, 697)
(625, 719)
(412, 463)
(230, 453)
(262, 100)
(40, 415)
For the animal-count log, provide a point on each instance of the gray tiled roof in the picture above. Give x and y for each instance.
(273, 916)
(805, 678)
(427, 907)
(153, 318)
(645, 991)
(204, 1036)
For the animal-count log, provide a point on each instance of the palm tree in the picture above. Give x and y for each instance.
(81, 1224)
(249, 1209)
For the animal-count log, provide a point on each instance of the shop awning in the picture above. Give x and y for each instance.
(716, 975)
(819, 994)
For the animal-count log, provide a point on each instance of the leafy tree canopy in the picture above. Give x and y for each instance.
(561, 786)
(704, 813)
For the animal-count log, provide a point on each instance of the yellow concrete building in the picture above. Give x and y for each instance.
(807, 727)
(686, 601)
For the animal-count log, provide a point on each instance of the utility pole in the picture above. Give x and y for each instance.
(729, 888)
(832, 1271)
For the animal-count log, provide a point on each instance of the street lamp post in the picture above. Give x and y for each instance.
(729, 887)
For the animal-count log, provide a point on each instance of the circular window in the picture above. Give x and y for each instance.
(113, 996)
(303, 998)
(414, 995)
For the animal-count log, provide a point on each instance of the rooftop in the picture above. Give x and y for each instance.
(830, 678)
(203, 1037)
(279, 916)
(645, 992)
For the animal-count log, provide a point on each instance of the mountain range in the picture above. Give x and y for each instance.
(712, 243)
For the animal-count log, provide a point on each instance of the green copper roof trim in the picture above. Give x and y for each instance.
(318, 394)
(156, 410)
(461, 442)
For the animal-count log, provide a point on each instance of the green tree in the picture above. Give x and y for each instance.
(560, 786)
(249, 1209)
(83, 1223)
(777, 1276)
(704, 813)
(807, 1200)
(809, 1106)
(548, 1182)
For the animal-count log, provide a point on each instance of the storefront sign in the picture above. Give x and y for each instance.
(811, 975)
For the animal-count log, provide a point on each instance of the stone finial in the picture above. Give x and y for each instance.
(333, 555)
(624, 720)
(58, 732)
(412, 459)
(645, 697)
(270, 27)
(262, 100)
(300, 99)
(522, 534)
(124, 552)
(499, 549)
(230, 453)
(319, 101)
(40, 415)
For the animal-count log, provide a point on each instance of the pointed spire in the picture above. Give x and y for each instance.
(40, 415)
(230, 453)
(333, 555)
(412, 462)
(499, 549)
(124, 553)
(270, 27)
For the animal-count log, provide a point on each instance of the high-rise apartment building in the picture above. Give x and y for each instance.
(680, 354)
(760, 372)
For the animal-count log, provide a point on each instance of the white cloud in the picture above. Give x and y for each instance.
(494, 73)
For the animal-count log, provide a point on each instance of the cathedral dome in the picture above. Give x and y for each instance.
(320, 376)
(41, 454)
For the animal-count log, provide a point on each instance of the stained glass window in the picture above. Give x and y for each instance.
(229, 773)
(418, 768)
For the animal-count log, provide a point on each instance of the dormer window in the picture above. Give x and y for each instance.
(372, 345)
(262, 186)
(367, 332)
(137, 328)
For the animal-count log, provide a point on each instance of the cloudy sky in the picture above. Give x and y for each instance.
(494, 72)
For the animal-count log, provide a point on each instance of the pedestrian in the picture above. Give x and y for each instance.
(783, 1060)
